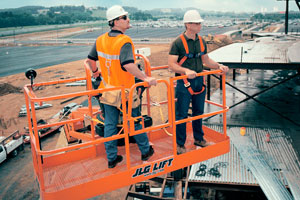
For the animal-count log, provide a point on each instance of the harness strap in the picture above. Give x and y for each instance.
(186, 49)
(188, 86)
(186, 56)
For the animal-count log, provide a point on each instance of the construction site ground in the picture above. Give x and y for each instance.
(18, 180)
(18, 172)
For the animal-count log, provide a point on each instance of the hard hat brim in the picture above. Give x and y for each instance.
(194, 21)
(124, 13)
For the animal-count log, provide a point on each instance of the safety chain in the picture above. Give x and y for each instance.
(202, 170)
(214, 171)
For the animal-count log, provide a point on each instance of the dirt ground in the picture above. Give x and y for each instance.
(12, 97)
(45, 34)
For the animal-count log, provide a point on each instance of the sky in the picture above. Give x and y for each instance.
(209, 5)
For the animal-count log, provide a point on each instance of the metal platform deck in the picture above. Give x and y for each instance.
(278, 153)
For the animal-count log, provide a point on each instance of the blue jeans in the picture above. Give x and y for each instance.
(110, 129)
(182, 106)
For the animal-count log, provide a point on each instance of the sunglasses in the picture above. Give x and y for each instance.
(197, 23)
(123, 17)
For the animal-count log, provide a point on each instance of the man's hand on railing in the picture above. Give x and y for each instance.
(190, 73)
(97, 74)
(224, 69)
(150, 80)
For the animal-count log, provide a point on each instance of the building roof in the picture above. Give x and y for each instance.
(277, 52)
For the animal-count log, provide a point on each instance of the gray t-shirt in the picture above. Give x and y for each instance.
(126, 55)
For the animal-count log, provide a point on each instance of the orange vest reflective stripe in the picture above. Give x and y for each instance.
(109, 49)
(186, 47)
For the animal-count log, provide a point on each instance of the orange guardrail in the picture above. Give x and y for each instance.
(49, 162)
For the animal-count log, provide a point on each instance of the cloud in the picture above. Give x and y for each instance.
(212, 5)
(238, 6)
(225, 5)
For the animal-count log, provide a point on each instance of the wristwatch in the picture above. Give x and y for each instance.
(95, 71)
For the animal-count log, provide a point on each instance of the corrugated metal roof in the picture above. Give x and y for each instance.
(278, 153)
(232, 170)
(252, 157)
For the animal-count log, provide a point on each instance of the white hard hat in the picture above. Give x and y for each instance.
(192, 16)
(114, 12)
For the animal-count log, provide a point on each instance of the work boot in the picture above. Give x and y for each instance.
(201, 143)
(112, 164)
(149, 154)
(180, 149)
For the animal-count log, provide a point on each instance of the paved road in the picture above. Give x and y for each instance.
(18, 59)
(162, 32)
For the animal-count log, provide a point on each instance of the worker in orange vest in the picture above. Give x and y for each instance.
(115, 52)
(188, 54)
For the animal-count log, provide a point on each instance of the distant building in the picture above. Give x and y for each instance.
(43, 11)
(92, 8)
(166, 10)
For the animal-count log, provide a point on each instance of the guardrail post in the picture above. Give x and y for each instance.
(208, 87)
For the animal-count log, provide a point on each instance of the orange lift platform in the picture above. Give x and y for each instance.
(80, 171)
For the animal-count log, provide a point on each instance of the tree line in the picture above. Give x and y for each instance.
(274, 16)
(53, 15)
(9, 19)
(38, 15)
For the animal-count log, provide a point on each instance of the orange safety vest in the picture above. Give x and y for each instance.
(109, 49)
(188, 55)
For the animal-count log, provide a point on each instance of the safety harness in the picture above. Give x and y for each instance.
(191, 55)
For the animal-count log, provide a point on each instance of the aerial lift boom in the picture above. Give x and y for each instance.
(80, 171)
